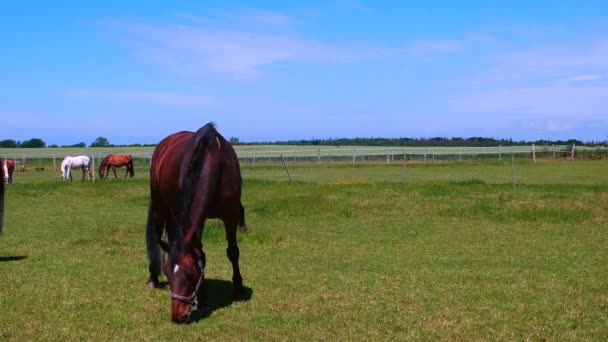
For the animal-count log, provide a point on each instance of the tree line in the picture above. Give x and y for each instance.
(39, 143)
(436, 141)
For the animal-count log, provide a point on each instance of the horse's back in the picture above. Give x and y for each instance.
(165, 168)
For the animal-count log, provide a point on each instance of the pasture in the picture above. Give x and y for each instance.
(442, 251)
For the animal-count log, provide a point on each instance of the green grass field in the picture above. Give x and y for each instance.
(450, 251)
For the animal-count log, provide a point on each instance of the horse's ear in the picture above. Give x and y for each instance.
(164, 245)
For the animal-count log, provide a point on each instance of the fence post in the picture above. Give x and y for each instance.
(405, 167)
(425, 150)
(387, 159)
(354, 154)
(460, 154)
(572, 153)
(533, 153)
(54, 164)
(93, 167)
(499, 152)
(319, 151)
(553, 150)
(512, 169)
(286, 169)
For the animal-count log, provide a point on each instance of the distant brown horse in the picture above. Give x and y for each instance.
(116, 160)
(8, 167)
(193, 177)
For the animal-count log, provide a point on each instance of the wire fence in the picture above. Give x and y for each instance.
(508, 164)
(275, 153)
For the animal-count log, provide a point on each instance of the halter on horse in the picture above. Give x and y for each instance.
(116, 160)
(8, 167)
(70, 163)
(208, 186)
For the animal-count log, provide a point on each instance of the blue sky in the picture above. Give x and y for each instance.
(136, 71)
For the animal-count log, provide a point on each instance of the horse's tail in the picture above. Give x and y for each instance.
(152, 244)
(102, 165)
(130, 167)
(204, 138)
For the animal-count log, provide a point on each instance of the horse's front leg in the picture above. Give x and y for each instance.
(233, 252)
(114, 170)
(154, 232)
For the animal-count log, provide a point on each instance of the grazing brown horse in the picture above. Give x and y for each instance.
(193, 177)
(8, 167)
(116, 160)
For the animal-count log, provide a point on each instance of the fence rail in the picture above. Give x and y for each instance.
(355, 154)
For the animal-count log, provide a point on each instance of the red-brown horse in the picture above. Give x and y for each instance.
(193, 177)
(8, 167)
(114, 161)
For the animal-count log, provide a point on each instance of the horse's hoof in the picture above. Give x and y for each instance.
(243, 229)
(153, 285)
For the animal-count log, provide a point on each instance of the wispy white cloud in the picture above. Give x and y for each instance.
(165, 98)
(548, 88)
(546, 62)
(202, 46)
(196, 51)
(554, 101)
(584, 78)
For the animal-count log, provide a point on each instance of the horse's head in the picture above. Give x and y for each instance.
(64, 168)
(186, 273)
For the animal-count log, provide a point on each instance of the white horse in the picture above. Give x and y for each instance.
(70, 163)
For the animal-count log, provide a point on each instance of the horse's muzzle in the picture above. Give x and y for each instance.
(183, 319)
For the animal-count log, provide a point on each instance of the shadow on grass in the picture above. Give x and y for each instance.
(12, 258)
(219, 295)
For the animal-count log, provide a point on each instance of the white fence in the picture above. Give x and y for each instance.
(276, 153)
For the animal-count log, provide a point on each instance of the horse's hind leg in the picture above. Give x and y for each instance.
(233, 255)
(242, 225)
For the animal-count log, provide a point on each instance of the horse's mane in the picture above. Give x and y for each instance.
(104, 161)
(204, 138)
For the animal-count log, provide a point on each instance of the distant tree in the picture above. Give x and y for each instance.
(100, 142)
(8, 143)
(33, 143)
(53, 146)
(80, 144)
(234, 140)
